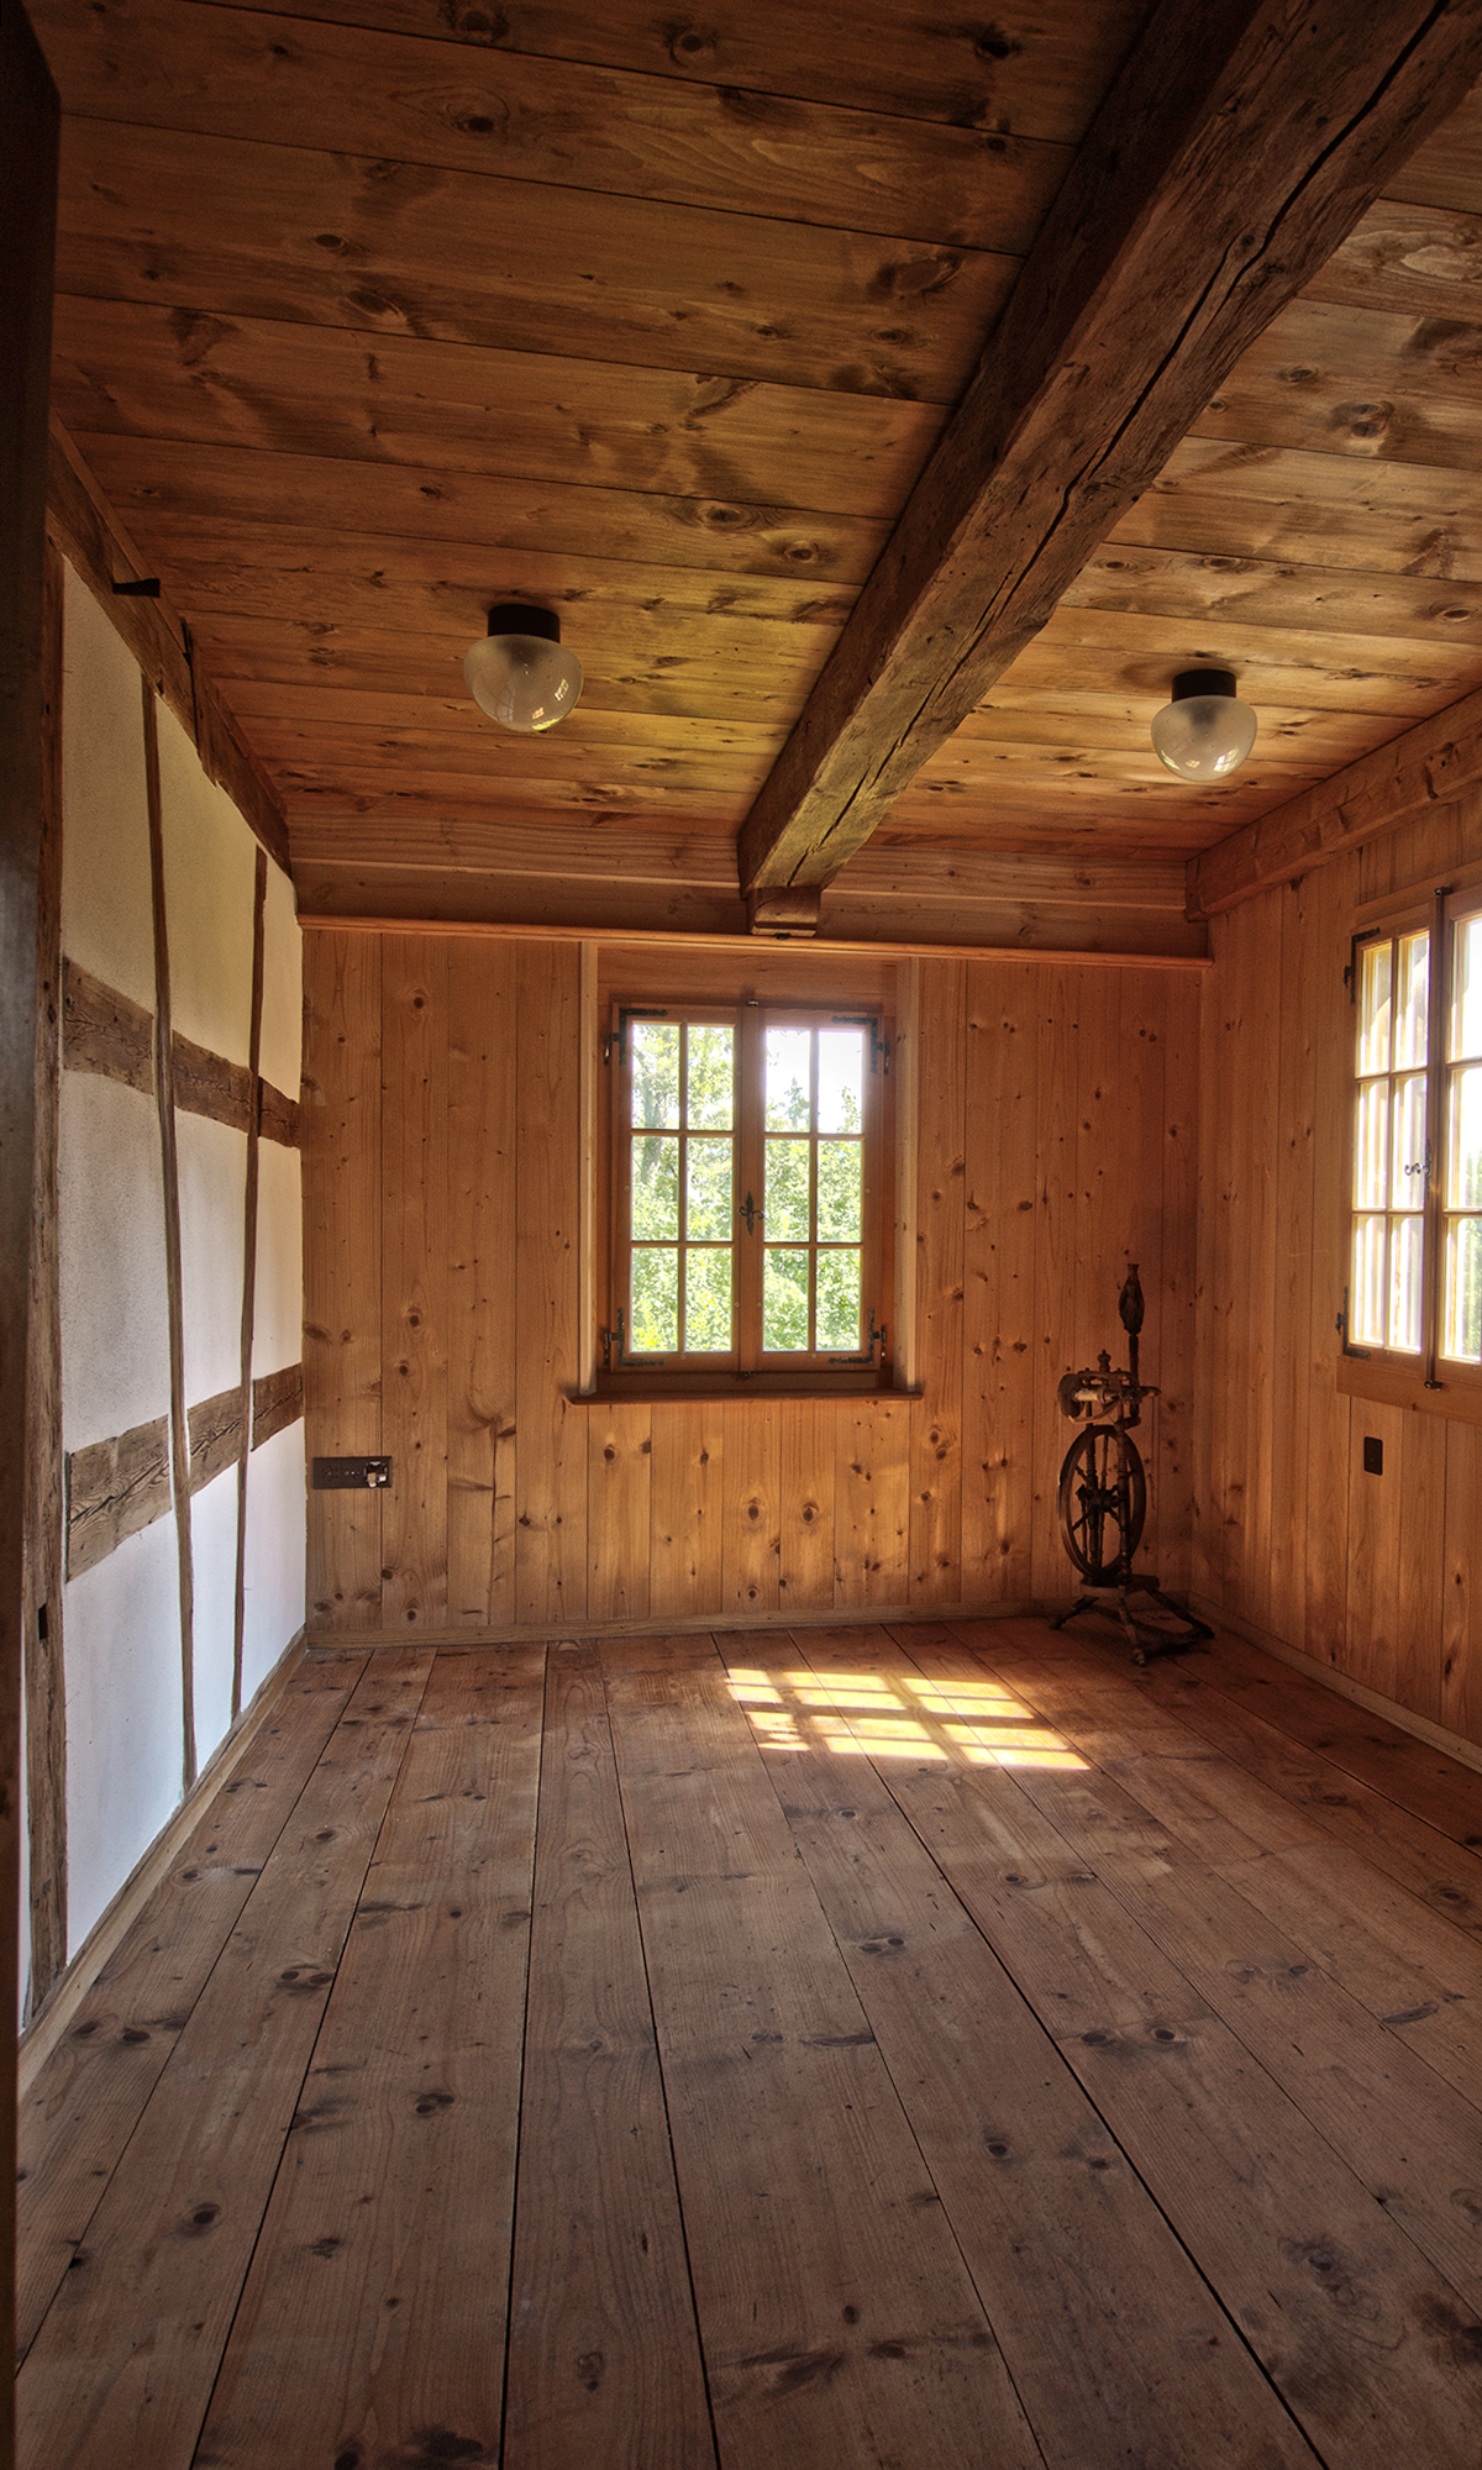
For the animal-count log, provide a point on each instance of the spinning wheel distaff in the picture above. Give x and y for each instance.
(1103, 1493)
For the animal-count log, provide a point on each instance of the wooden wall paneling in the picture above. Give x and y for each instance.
(1416, 1505)
(164, 1090)
(751, 1505)
(249, 1269)
(342, 1267)
(1461, 1611)
(1000, 1361)
(1259, 1073)
(551, 1453)
(1058, 1268)
(1131, 1124)
(936, 1417)
(416, 1255)
(872, 1502)
(685, 1507)
(1372, 1649)
(619, 1503)
(44, 1667)
(1296, 1022)
(1205, 1559)
(1326, 900)
(1182, 1408)
(482, 1063)
(805, 1579)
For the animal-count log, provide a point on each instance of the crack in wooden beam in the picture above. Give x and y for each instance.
(1236, 150)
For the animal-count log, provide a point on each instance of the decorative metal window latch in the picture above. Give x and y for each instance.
(747, 1209)
(875, 1338)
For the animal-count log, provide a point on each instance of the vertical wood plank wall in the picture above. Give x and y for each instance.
(442, 1191)
(1379, 1577)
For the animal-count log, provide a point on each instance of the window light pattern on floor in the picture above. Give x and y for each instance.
(966, 1721)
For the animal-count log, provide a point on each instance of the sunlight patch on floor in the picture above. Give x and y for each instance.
(967, 1722)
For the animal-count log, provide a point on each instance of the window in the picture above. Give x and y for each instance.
(1415, 1279)
(748, 1175)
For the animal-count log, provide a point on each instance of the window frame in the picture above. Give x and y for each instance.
(748, 1368)
(1427, 1380)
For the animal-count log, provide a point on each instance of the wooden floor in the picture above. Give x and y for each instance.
(925, 2047)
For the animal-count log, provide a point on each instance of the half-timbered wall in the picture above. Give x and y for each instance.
(443, 1142)
(178, 1252)
(1377, 1577)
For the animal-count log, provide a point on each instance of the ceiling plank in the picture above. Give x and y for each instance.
(1236, 149)
(1429, 766)
(168, 64)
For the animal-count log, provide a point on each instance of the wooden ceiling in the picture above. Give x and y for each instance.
(372, 312)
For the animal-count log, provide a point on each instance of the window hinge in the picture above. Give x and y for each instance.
(879, 1043)
(875, 1338)
(615, 1041)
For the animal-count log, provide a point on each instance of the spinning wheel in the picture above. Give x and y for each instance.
(1103, 1494)
(1103, 1502)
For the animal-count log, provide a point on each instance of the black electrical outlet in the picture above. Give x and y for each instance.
(352, 1474)
(1373, 1454)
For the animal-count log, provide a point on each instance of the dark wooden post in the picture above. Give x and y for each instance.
(28, 189)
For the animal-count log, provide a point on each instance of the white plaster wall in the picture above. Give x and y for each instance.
(106, 903)
(213, 1536)
(278, 1315)
(111, 1243)
(210, 862)
(212, 1174)
(274, 1602)
(282, 986)
(124, 1738)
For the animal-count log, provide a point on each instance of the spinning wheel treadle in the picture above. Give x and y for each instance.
(1103, 1495)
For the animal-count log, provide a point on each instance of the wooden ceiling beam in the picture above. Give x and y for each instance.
(1235, 151)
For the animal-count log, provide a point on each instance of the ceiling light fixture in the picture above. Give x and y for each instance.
(1206, 732)
(519, 674)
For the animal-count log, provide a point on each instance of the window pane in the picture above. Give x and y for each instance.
(1366, 1298)
(1371, 1147)
(1375, 970)
(841, 1055)
(655, 1050)
(708, 1197)
(654, 1318)
(789, 1091)
(840, 1191)
(707, 1303)
(710, 1077)
(1464, 1178)
(786, 1202)
(1407, 1179)
(1461, 1317)
(655, 1188)
(1466, 990)
(1404, 1284)
(785, 1302)
(1412, 997)
(838, 1302)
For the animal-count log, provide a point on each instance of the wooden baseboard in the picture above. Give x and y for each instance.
(46, 2029)
(660, 1625)
(1436, 1736)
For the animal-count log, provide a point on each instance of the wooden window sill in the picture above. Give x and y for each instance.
(1389, 1383)
(847, 1389)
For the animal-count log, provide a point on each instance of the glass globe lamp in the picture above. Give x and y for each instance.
(1206, 732)
(519, 674)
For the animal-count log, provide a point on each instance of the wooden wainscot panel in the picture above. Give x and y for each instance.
(277, 1402)
(215, 1436)
(103, 1031)
(114, 1488)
